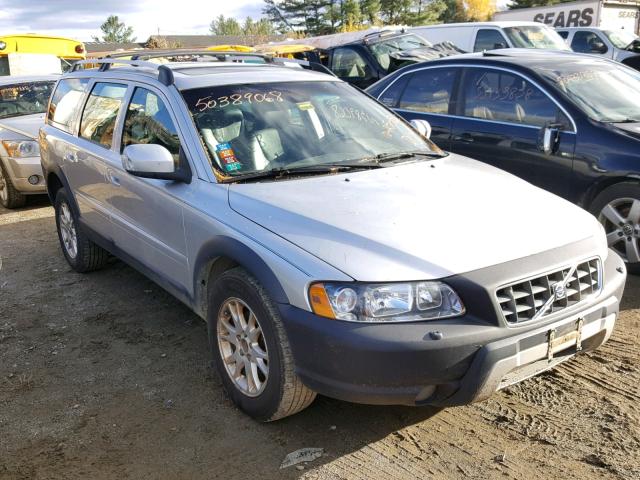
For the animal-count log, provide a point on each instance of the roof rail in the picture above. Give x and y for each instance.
(165, 75)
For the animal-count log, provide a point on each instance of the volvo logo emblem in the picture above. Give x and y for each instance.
(559, 291)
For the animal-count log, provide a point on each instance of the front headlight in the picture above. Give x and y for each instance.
(391, 302)
(20, 149)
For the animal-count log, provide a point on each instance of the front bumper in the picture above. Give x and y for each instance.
(469, 358)
(20, 169)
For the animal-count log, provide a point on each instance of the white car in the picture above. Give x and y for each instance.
(23, 102)
(481, 36)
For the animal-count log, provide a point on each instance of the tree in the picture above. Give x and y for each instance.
(115, 31)
(533, 3)
(225, 26)
(480, 10)
(370, 11)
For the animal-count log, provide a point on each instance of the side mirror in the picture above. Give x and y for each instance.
(422, 127)
(598, 47)
(150, 160)
(549, 139)
(499, 45)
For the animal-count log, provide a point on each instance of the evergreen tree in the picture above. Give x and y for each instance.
(515, 4)
(225, 26)
(115, 31)
(370, 11)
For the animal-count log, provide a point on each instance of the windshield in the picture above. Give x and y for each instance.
(535, 37)
(382, 49)
(606, 93)
(270, 126)
(24, 98)
(620, 38)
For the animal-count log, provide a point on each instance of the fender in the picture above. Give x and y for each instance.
(244, 256)
(57, 171)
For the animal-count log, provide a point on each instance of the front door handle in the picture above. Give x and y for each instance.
(113, 179)
(465, 137)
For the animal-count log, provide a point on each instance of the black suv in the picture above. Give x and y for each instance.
(566, 122)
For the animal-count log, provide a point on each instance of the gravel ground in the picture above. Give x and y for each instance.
(107, 376)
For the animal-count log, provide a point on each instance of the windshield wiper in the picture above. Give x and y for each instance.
(307, 170)
(625, 120)
(392, 157)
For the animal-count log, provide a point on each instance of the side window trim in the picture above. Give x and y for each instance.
(119, 131)
(92, 84)
(525, 78)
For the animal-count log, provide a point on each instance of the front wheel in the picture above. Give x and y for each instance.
(618, 209)
(251, 350)
(9, 196)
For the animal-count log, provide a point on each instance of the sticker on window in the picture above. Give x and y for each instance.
(228, 157)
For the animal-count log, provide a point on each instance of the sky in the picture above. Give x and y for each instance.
(82, 19)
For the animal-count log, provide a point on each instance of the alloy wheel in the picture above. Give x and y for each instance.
(68, 230)
(243, 347)
(621, 220)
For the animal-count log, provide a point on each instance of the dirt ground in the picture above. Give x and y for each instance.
(107, 376)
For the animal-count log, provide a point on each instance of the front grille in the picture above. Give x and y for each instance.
(521, 301)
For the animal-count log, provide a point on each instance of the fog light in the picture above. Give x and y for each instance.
(34, 179)
(3, 45)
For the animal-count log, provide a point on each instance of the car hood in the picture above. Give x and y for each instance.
(629, 128)
(422, 220)
(25, 125)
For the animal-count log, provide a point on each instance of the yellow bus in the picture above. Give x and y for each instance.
(19, 51)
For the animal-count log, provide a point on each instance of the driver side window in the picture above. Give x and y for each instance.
(347, 63)
(148, 121)
(586, 42)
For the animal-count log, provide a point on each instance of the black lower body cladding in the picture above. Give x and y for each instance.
(467, 360)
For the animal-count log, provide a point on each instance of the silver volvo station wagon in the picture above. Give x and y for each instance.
(329, 245)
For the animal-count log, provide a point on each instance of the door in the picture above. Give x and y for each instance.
(87, 164)
(500, 120)
(428, 96)
(351, 66)
(147, 213)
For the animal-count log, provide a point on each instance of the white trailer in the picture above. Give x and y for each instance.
(604, 14)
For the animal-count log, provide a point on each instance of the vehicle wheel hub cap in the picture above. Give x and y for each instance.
(68, 231)
(242, 347)
(621, 220)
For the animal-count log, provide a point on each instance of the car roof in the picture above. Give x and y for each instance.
(188, 75)
(503, 24)
(529, 58)
(13, 79)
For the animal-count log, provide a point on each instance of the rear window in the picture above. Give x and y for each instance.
(65, 103)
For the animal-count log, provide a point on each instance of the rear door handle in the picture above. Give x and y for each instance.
(70, 157)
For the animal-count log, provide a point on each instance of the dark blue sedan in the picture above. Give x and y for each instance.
(566, 122)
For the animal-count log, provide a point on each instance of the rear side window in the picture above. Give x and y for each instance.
(506, 97)
(65, 103)
(489, 40)
(101, 112)
(429, 91)
(148, 121)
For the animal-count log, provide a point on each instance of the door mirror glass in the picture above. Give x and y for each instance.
(150, 161)
(422, 127)
(499, 45)
(598, 47)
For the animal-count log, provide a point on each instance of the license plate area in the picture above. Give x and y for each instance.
(557, 343)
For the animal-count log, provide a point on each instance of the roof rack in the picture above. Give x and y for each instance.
(165, 74)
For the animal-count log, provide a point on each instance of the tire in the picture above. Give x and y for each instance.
(9, 196)
(276, 394)
(618, 209)
(82, 254)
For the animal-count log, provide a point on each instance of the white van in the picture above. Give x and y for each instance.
(480, 36)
